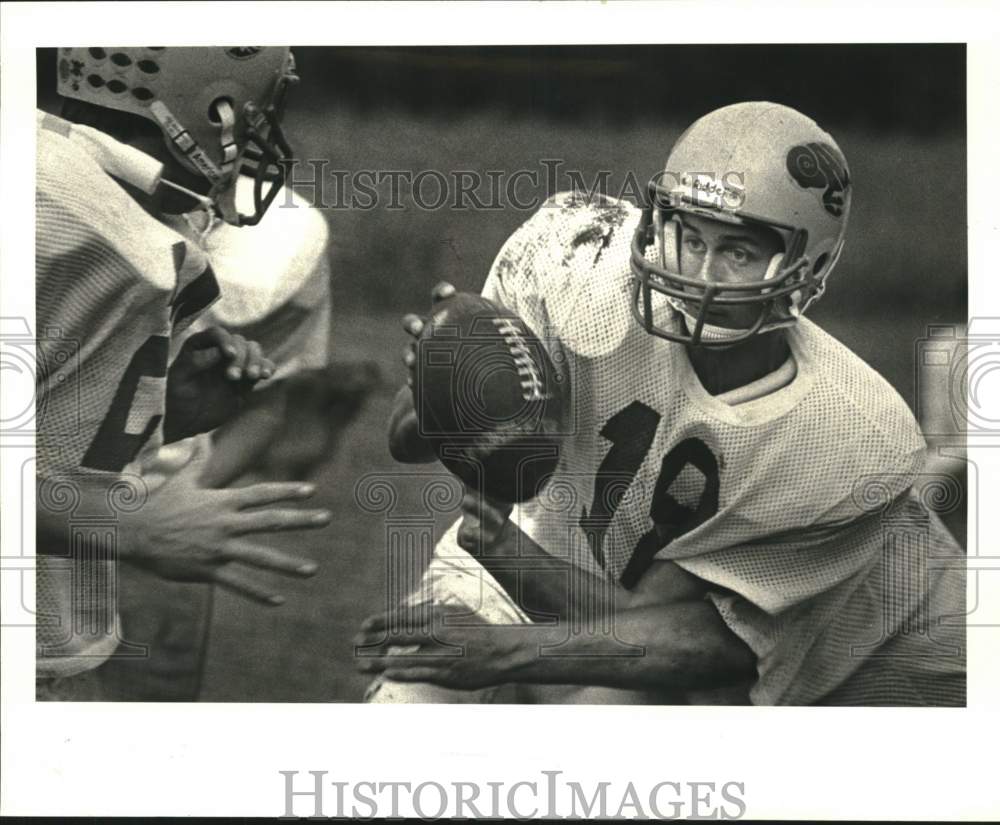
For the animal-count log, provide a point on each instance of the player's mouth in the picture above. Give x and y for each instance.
(713, 314)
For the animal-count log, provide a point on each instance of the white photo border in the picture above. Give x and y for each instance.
(223, 759)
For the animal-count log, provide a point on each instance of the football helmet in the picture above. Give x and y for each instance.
(219, 108)
(751, 163)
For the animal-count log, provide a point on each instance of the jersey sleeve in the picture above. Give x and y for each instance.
(903, 606)
(565, 271)
(844, 531)
(802, 601)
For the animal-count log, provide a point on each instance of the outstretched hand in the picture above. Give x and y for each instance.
(442, 645)
(186, 532)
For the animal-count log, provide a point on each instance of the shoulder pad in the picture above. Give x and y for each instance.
(260, 268)
(569, 264)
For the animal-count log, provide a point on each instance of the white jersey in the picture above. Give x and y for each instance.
(778, 502)
(112, 286)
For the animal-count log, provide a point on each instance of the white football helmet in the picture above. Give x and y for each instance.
(749, 163)
(219, 108)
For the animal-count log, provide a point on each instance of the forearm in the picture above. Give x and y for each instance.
(549, 583)
(65, 502)
(544, 584)
(405, 442)
(677, 646)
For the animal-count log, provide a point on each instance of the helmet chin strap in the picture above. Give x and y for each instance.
(222, 177)
(223, 191)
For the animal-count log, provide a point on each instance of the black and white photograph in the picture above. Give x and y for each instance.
(643, 381)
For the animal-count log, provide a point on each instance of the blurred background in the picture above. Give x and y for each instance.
(897, 111)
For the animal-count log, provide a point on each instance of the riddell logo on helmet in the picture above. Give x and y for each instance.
(706, 189)
(244, 52)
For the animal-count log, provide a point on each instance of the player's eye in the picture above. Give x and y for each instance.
(739, 256)
(695, 244)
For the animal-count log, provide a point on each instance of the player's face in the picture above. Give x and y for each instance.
(725, 253)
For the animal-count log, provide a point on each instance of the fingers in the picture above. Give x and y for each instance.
(219, 338)
(413, 324)
(268, 558)
(409, 618)
(223, 339)
(375, 623)
(246, 359)
(238, 352)
(410, 361)
(239, 582)
(255, 357)
(442, 291)
(267, 368)
(413, 674)
(257, 366)
(409, 357)
(405, 665)
(393, 668)
(394, 633)
(271, 492)
(272, 520)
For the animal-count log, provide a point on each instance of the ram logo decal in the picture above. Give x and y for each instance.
(820, 166)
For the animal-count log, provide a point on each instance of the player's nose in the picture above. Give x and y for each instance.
(707, 271)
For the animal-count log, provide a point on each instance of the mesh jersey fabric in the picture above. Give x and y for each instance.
(782, 503)
(112, 285)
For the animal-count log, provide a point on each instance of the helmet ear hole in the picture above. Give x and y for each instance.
(213, 109)
(820, 263)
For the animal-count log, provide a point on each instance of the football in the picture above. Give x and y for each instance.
(489, 397)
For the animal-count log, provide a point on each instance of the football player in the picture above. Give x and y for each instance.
(148, 134)
(734, 509)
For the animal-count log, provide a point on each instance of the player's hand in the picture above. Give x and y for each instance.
(186, 532)
(441, 645)
(414, 325)
(209, 381)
